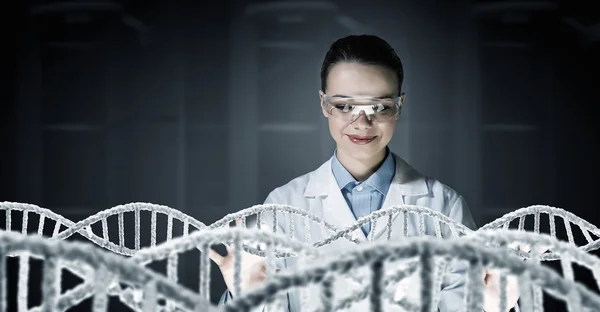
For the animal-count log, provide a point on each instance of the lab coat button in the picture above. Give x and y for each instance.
(359, 188)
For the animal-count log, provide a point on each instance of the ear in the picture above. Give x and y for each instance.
(322, 101)
(402, 97)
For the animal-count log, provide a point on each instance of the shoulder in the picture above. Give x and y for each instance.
(290, 192)
(453, 203)
(414, 183)
(426, 191)
(309, 184)
(442, 190)
(294, 186)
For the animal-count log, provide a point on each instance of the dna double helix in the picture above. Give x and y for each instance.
(303, 244)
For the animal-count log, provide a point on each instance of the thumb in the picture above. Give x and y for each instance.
(229, 249)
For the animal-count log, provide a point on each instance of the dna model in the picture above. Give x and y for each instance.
(330, 268)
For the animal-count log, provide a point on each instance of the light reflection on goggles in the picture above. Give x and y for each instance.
(349, 108)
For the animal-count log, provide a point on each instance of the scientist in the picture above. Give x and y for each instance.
(361, 97)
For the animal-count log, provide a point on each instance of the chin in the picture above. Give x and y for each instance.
(362, 152)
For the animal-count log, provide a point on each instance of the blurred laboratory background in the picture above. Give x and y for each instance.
(208, 106)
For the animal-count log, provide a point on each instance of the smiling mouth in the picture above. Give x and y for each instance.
(359, 139)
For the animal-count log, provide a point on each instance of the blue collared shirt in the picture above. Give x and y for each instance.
(366, 196)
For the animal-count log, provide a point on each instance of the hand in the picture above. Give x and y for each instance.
(253, 268)
(527, 248)
(492, 283)
(491, 298)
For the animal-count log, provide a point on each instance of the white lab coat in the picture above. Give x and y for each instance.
(319, 193)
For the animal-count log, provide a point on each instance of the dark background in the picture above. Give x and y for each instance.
(208, 107)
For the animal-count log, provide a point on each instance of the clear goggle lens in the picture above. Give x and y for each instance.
(349, 109)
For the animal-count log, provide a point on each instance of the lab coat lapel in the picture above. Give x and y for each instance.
(406, 182)
(335, 209)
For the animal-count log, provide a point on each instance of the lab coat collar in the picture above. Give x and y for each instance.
(407, 181)
(380, 180)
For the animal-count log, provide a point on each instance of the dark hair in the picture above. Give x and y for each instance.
(363, 49)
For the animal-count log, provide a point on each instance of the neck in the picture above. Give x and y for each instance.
(361, 169)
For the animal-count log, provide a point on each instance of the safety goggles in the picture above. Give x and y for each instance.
(375, 109)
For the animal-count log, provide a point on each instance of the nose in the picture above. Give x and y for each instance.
(362, 121)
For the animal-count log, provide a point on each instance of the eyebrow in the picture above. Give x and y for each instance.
(375, 97)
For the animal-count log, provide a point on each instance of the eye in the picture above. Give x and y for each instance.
(380, 107)
(344, 107)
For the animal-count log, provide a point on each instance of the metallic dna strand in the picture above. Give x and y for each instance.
(292, 237)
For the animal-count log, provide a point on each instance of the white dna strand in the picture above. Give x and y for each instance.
(272, 211)
(376, 255)
(569, 219)
(431, 219)
(276, 247)
(412, 217)
(85, 229)
(417, 216)
(568, 254)
(201, 240)
(101, 266)
(427, 218)
(271, 215)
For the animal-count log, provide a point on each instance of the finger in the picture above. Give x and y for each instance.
(542, 249)
(525, 247)
(238, 222)
(263, 268)
(228, 248)
(514, 245)
(215, 257)
(265, 227)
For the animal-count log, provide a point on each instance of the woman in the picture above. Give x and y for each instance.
(361, 98)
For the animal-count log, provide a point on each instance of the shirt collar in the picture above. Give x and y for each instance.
(380, 180)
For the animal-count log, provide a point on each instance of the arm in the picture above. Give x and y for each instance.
(453, 284)
(267, 225)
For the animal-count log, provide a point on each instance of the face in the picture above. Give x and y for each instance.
(362, 139)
